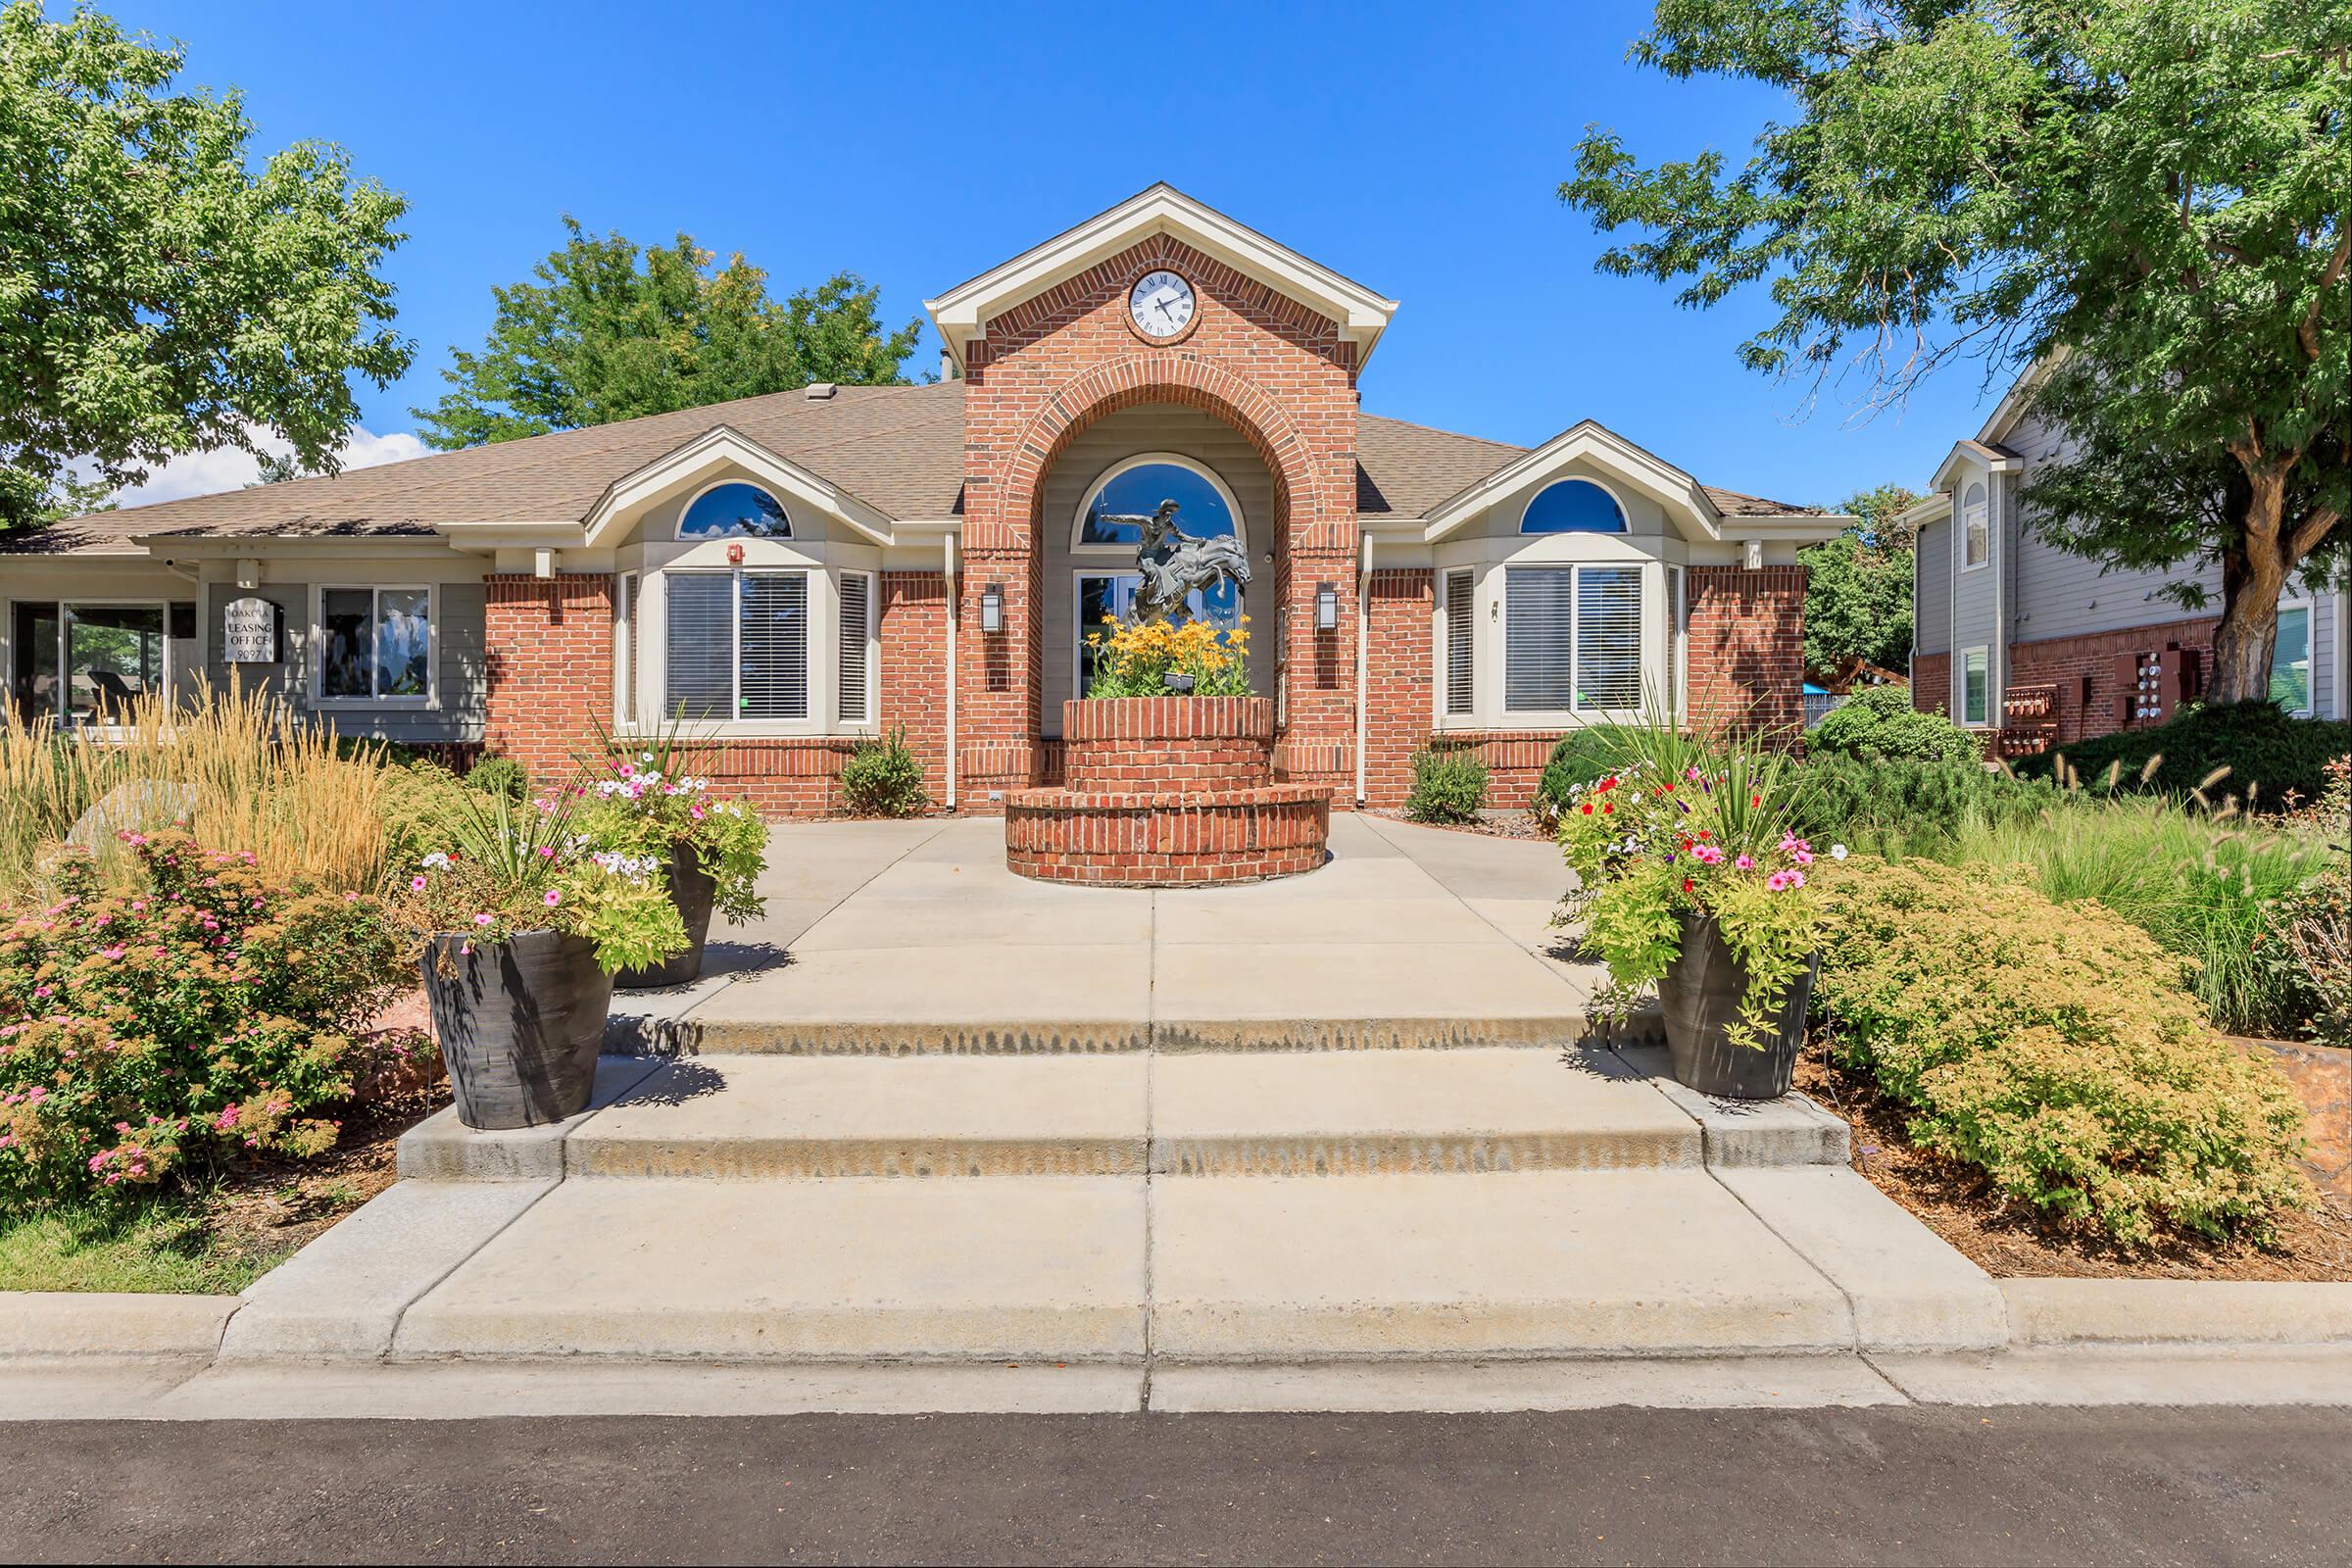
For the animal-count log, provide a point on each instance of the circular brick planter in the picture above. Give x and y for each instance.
(1167, 791)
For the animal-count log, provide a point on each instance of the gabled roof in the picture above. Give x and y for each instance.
(962, 313)
(1994, 457)
(871, 454)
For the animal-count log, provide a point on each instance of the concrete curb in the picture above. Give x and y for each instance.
(2067, 1311)
(79, 1323)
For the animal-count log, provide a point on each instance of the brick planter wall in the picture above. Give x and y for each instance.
(1514, 760)
(1167, 791)
(1168, 743)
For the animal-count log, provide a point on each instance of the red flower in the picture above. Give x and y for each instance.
(1587, 807)
(1756, 800)
(1606, 809)
(1686, 884)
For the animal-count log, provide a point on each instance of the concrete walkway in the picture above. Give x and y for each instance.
(895, 936)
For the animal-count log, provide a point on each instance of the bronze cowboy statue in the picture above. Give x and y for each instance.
(1174, 564)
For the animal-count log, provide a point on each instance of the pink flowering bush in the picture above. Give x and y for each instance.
(204, 1009)
(1681, 827)
(646, 802)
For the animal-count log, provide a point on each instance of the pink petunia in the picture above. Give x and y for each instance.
(482, 919)
(1746, 863)
(415, 884)
(553, 898)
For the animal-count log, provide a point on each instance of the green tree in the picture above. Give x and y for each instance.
(158, 295)
(2145, 201)
(610, 331)
(1858, 591)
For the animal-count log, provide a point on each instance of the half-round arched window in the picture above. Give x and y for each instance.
(734, 508)
(1573, 506)
(1141, 486)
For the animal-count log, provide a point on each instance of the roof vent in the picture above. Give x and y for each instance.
(819, 391)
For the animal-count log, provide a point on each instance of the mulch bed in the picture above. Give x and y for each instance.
(274, 1206)
(1507, 825)
(2007, 1238)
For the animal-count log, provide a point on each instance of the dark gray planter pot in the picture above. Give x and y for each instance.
(519, 1025)
(691, 888)
(1700, 991)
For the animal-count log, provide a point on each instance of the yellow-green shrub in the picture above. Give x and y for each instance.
(2056, 1047)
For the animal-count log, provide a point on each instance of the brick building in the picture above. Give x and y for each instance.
(2015, 634)
(801, 571)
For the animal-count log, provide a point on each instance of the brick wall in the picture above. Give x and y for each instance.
(912, 631)
(1268, 366)
(546, 647)
(1398, 676)
(1746, 647)
(1514, 760)
(1931, 683)
(2065, 663)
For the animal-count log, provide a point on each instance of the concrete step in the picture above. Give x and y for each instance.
(1206, 1270)
(640, 1026)
(1300, 1114)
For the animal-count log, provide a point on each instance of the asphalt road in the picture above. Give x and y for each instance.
(1899, 1484)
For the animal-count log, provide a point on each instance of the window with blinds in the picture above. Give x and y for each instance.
(1460, 639)
(1608, 637)
(736, 644)
(856, 626)
(1572, 638)
(624, 650)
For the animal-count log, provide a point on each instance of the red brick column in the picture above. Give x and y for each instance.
(912, 631)
(546, 650)
(1746, 648)
(1399, 696)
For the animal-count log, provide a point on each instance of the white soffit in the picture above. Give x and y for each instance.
(962, 314)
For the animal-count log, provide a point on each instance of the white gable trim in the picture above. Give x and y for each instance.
(1590, 442)
(963, 314)
(1990, 459)
(714, 451)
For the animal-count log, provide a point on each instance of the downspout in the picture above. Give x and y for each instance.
(946, 545)
(1363, 660)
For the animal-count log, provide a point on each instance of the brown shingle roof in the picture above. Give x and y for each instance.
(898, 448)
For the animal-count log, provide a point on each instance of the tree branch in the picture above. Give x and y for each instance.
(2308, 333)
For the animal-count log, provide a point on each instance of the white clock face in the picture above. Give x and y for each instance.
(1160, 304)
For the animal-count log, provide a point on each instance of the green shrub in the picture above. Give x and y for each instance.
(2268, 755)
(1879, 722)
(2306, 950)
(884, 777)
(202, 1009)
(421, 804)
(1910, 808)
(2056, 1049)
(1580, 757)
(500, 775)
(1449, 786)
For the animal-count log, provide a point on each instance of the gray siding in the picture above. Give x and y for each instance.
(1154, 428)
(2060, 594)
(1932, 607)
(1973, 592)
(460, 675)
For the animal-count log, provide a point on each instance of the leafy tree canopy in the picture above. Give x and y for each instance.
(158, 295)
(610, 331)
(1858, 591)
(2145, 200)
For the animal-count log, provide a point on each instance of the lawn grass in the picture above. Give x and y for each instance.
(163, 1245)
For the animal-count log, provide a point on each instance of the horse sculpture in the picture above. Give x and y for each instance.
(1174, 564)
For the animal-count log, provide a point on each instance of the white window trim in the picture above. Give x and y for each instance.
(1624, 518)
(1446, 578)
(872, 721)
(629, 681)
(64, 606)
(677, 529)
(1536, 719)
(317, 652)
(1960, 534)
(2311, 653)
(1085, 551)
(1960, 686)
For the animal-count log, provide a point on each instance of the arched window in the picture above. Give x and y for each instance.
(734, 508)
(1573, 506)
(1976, 530)
(1138, 487)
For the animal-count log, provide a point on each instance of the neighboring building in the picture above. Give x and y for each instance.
(2012, 632)
(816, 567)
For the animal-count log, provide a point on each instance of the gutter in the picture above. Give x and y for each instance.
(946, 545)
(1363, 660)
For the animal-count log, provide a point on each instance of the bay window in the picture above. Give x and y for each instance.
(1572, 639)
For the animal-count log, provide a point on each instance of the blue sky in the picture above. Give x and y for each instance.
(1414, 148)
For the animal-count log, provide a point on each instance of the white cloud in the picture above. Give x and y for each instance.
(204, 473)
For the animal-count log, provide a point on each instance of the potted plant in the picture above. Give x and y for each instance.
(524, 923)
(644, 804)
(1692, 880)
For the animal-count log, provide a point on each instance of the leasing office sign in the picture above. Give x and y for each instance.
(249, 632)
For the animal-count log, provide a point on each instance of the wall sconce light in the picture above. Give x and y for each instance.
(1327, 608)
(992, 609)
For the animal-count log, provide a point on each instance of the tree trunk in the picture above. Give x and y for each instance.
(2253, 572)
